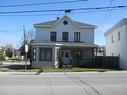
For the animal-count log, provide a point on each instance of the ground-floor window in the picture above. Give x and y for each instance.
(45, 54)
(34, 53)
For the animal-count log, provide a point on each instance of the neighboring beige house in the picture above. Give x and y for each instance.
(116, 42)
(63, 41)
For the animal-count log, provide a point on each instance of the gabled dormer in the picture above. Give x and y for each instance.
(65, 20)
(64, 29)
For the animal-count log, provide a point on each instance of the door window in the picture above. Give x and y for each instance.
(66, 54)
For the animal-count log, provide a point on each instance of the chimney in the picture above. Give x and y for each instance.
(67, 11)
(57, 18)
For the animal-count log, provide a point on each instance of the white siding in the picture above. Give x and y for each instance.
(86, 35)
(118, 47)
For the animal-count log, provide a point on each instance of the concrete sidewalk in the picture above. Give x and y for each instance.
(17, 73)
(34, 73)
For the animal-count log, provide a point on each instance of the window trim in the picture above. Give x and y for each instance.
(65, 22)
(45, 52)
(119, 35)
(65, 36)
(77, 37)
(34, 54)
(53, 36)
(112, 38)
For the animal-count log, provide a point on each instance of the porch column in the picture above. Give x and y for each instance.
(92, 53)
(37, 54)
(96, 51)
(55, 56)
(93, 56)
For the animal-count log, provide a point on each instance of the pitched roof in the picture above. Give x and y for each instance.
(55, 21)
(116, 26)
(82, 24)
(47, 23)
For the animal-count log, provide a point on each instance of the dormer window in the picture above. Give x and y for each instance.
(65, 22)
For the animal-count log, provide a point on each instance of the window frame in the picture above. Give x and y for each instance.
(53, 36)
(65, 36)
(119, 35)
(77, 37)
(45, 51)
(111, 38)
(34, 54)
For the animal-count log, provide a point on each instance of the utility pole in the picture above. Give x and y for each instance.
(25, 47)
(24, 33)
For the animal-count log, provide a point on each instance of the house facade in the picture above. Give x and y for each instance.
(62, 41)
(116, 42)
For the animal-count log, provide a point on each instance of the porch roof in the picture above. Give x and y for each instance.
(66, 44)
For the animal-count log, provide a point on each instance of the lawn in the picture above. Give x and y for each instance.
(90, 69)
(48, 69)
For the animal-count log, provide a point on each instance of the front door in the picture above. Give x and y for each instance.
(66, 57)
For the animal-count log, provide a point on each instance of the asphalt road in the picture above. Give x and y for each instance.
(63, 84)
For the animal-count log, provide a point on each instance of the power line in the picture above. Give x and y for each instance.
(5, 31)
(33, 14)
(58, 10)
(108, 13)
(49, 14)
(46, 3)
(106, 17)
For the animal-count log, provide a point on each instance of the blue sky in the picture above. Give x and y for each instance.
(11, 26)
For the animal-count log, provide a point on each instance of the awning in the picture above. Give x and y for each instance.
(65, 44)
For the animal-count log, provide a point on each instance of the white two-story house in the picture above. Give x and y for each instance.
(116, 42)
(63, 41)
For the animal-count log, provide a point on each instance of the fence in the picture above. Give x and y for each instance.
(111, 62)
(107, 62)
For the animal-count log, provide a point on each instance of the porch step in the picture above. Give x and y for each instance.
(67, 68)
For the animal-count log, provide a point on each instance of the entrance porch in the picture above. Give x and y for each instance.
(64, 53)
(76, 56)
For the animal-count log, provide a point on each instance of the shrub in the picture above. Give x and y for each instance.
(2, 57)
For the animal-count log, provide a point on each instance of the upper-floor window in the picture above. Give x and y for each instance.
(112, 38)
(118, 35)
(65, 22)
(77, 36)
(65, 36)
(53, 36)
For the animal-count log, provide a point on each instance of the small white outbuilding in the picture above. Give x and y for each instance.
(116, 42)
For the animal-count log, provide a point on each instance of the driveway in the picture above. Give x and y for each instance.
(66, 83)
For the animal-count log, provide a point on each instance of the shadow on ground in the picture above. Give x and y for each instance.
(16, 67)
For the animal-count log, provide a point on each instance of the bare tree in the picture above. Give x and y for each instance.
(9, 50)
(28, 39)
(29, 36)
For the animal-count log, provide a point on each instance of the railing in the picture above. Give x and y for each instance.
(83, 62)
